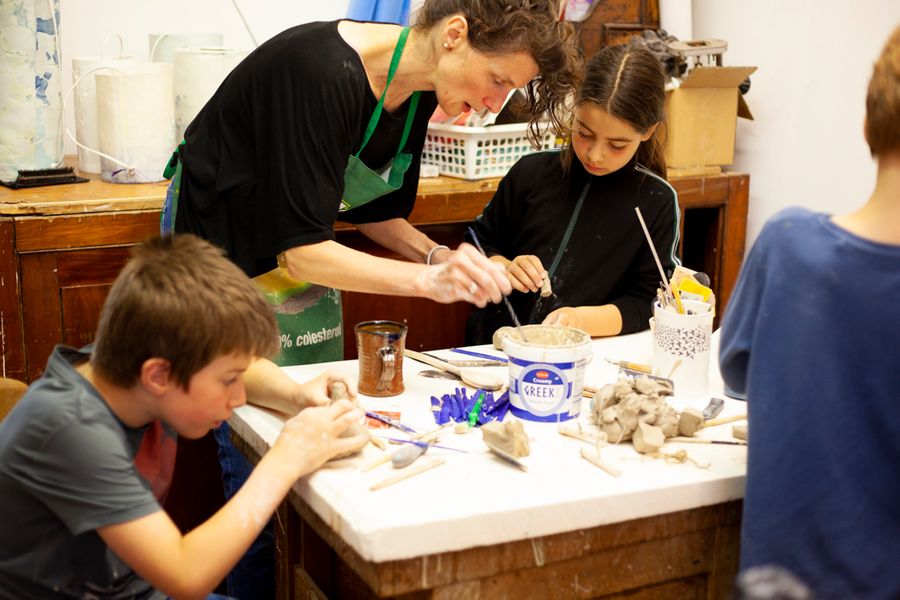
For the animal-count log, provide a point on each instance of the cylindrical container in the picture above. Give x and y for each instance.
(136, 117)
(380, 346)
(86, 122)
(30, 87)
(681, 347)
(163, 45)
(546, 373)
(676, 18)
(198, 74)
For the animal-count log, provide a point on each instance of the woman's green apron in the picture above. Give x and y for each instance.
(309, 315)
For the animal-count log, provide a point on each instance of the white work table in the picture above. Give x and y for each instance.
(476, 502)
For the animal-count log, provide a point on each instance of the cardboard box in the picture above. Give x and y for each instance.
(701, 118)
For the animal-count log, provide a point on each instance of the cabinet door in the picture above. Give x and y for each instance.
(62, 294)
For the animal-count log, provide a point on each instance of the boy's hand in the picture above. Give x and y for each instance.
(315, 391)
(526, 273)
(312, 437)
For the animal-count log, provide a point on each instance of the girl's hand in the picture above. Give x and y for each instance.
(526, 273)
(315, 391)
(567, 316)
(312, 437)
(466, 275)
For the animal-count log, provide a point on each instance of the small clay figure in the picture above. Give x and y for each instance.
(618, 408)
(407, 455)
(499, 335)
(648, 439)
(509, 436)
(690, 422)
(546, 288)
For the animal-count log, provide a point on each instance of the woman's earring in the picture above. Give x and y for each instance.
(447, 45)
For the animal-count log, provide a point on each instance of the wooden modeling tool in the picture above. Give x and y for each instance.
(469, 376)
(642, 368)
(593, 457)
(724, 420)
(428, 436)
(692, 440)
(406, 473)
(509, 307)
(662, 273)
(506, 456)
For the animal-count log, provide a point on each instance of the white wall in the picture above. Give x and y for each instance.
(805, 146)
(84, 24)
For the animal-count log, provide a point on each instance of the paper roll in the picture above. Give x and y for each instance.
(86, 123)
(163, 45)
(198, 74)
(136, 118)
(675, 16)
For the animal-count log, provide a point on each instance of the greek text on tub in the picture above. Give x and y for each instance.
(543, 389)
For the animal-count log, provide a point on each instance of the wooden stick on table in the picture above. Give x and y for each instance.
(407, 473)
(723, 420)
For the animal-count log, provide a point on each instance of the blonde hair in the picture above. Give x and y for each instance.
(883, 100)
(180, 299)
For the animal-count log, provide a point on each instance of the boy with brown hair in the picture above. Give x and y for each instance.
(810, 337)
(87, 455)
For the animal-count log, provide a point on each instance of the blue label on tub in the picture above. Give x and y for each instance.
(543, 390)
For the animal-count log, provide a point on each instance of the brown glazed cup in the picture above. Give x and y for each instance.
(379, 346)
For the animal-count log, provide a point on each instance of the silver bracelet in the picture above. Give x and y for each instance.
(432, 251)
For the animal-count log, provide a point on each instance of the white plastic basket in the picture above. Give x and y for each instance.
(479, 152)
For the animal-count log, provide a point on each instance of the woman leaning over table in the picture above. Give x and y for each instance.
(328, 120)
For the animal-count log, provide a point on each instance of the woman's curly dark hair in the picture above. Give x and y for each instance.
(532, 26)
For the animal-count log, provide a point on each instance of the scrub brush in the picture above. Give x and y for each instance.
(39, 177)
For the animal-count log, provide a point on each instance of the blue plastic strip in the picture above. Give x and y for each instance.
(478, 354)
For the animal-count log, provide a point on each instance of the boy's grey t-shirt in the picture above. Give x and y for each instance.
(67, 467)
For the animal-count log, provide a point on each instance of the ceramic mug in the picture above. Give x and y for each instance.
(379, 346)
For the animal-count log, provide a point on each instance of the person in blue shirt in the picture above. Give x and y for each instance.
(810, 337)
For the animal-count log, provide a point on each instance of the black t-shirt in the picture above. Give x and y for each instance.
(607, 260)
(264, 160)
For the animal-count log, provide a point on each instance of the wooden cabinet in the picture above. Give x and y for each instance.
(612, 22)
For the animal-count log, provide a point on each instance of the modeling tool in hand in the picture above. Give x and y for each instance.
(509, 307)
(662, 273)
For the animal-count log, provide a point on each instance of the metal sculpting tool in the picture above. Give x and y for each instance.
(506, 301)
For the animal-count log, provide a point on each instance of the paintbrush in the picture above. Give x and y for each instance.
(509, 307)
(662, 273)
(390, 422)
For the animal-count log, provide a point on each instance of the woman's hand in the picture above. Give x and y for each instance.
(466, 275)
(312, 437)
(526, 273)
